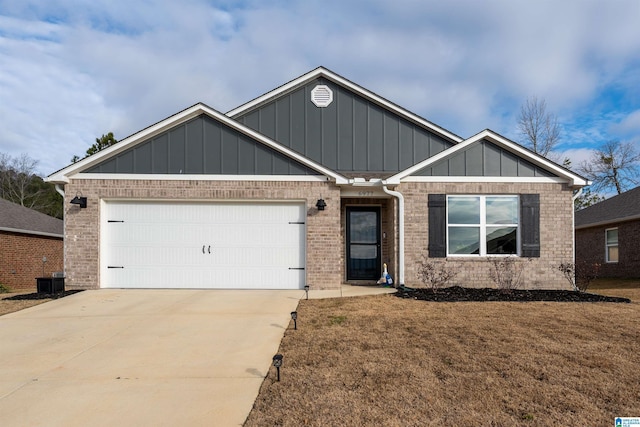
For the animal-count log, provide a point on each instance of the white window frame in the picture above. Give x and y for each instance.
(483, 225)
(607, 245)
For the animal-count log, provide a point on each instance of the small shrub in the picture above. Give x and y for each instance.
(506, 272)
(337, 320)
(4, 289)
(435, 275)
(580, 274)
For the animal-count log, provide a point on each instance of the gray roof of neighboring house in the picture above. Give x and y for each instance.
(623, 207)
(18, 219)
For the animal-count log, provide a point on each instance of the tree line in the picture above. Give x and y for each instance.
(20, 184)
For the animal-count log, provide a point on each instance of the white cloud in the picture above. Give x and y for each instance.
(74, 70)
(628, 127)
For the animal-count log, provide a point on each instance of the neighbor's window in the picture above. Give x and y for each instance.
(482, 225)
(611, 237)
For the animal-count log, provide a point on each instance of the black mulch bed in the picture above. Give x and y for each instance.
(457, 293)
(35, 296)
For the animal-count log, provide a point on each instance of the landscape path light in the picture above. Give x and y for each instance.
(277, 362)
(306, 290)
(294, 317)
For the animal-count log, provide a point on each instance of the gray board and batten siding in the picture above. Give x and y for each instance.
(202, 146)
(352, 134)
(484, 159)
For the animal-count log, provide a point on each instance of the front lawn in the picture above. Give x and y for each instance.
(383, 360)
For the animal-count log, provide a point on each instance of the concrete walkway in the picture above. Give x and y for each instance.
(143, 357)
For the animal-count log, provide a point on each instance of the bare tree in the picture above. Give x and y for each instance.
(16, 175)
(538, 127)
(614, 165)
(586, 199)
(20, 184)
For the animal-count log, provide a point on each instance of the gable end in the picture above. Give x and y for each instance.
(484, 158)
(351, 134)
(201, 145)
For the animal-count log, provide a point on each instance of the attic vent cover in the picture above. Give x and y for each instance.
(321, 96)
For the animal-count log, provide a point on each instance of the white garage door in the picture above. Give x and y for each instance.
(202, 245)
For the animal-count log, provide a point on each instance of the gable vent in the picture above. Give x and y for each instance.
(321, 96)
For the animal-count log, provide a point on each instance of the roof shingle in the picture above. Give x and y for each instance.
(18, 218)
(618, 208)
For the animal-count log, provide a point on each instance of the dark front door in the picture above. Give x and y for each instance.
(363, 243)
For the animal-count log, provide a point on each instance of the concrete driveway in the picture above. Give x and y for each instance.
(140, 357)
(143, 357)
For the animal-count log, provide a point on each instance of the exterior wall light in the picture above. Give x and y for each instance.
(294, 317)
(81, 201)
(320, 204)
(277, 362)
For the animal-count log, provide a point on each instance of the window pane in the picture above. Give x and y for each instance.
(502, 240)
(612, 253)
(502, 210)
(612, 237)
(464, 240)
(464, 210)
(363, 227)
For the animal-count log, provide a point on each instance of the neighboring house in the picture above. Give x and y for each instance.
(30, 246)
(608, 233)
(318, 182)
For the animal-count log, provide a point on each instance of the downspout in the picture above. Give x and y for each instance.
(573, 221)
(573, 230)
(60, 190)
(400, 198)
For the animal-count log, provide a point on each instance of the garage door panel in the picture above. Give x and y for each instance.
(204, 245)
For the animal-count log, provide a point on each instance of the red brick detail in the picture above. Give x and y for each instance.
(21, 259)
(590, 247)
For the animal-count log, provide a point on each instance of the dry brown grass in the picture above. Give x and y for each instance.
(382, 360)
(9, 306)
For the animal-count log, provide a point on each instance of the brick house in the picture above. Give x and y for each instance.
(318, 182)
(31, 246)
(608, 233)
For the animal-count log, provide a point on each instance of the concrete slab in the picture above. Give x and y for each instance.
(144, 357)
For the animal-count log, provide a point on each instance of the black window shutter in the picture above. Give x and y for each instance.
(437, 226)
(530, 223)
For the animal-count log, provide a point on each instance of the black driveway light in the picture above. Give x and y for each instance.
(306, 290)
(277, 362)
(294, 317)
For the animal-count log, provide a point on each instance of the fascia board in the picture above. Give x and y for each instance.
(608, 222)
(321, 71)
(31, 232)
(63, 175)
(576, 180)
(536, 159)
(199, 177)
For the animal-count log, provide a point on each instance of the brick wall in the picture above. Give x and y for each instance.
(21, 259)
(82, 233)
(590, 247)
(325, 229)
(556, 229)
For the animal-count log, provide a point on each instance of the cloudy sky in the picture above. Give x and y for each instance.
(72, 70)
